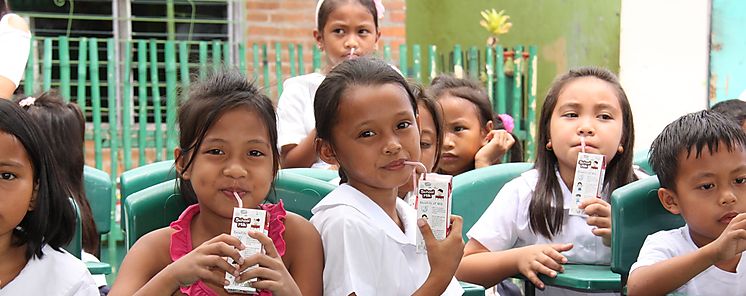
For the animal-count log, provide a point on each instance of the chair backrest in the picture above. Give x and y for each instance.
(151, 208)
(75, 247)
(98, 190)
(474, 191)
(640, 158)
(636, 212)
(299, 193)
(321, 174)
(143, 177)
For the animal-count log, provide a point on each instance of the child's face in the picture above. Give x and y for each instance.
(235, 156)
(16, 184)
(348, 26)
(463, 136)
(376, 132)
(709, 191)
(588, 107)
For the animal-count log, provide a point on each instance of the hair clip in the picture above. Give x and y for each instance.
(507, 122)
(28, 101)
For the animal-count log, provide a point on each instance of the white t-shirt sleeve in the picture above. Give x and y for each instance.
(497, 228)
(14, 50)
(656, 248)
(291, 106)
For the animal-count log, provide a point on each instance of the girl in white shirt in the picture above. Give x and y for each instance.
(368, 126)
(344, 30)
(527, 228)
(36, 217)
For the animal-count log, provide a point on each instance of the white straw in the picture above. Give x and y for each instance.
(582, 143)
(352, 52)
(238, 199)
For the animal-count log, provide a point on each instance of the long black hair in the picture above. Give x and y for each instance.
(546, 210)
(52, 220)
(4, 8)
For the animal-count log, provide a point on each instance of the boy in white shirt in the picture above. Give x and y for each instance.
(700, 160)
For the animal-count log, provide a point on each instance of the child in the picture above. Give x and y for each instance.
(345, 29)
(36, 217)
(470, 141)
(528, 227)
(700, 160)
(431, 135)
(734, 109)
(227, 146)
(367, 125)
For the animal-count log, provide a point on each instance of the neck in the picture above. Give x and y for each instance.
(12, 259)
(207, 224)
(383, 197)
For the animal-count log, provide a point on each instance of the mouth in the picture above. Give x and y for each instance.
(587, 147)
(395, 165)
(448, 157)
(228, 192)
(725, 219)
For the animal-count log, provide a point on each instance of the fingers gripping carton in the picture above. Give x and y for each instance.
(433, 203)
(245, 220)
(589, 180)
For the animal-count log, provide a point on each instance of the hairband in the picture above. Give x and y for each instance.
(379, 8)
(28, 101)
(507, 122)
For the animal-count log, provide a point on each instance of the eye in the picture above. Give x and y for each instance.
(256, 153)
(7, 176)
(605, 116)
(570, 114)
(459, 128)
(425, 145)
(214, 152)
(338, 31)
(740, 180)
(707, 186)
(364, 32)
(403, 125)
(366, 134)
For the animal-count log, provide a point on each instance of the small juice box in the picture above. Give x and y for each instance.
(433, 203)
(589, 180)
(245, 220)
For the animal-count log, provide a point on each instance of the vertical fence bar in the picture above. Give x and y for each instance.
(184, 67)
(111, 93)
(227, 57)
(170, 97)
(291, 59)
(127, 106)
(142, 98)
(242, 58)
(64, 54)
(216, 54)
(202, 59)
(82, 73)
(531, 81)
(278, 68)
(473, 62)
(501, 84)
(47, 66)
(490, 73)
(403, 62)
(316, 59)
(96, 103)
(432, 55)
(417, 62)
(265, 67)
(301, 66)
(458, 63)
(387, 53)
(28, 80)
(257, 65)
(156, 94)
(517, 105)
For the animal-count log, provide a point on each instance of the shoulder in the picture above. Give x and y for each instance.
(302, 241)
(150, 253)
(298, 228)
(16, 22)
(308, 81)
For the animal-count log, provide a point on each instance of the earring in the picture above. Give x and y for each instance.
(549, 146)
(620, 150)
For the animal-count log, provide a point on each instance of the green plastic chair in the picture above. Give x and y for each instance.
(640, 158)
(299, 193)
(143, 177)
(75, 246)
(636, 213)
(98, 189)
(321, 174)
(475, 190)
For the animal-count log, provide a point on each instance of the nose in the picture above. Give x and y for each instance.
(728, 197)
(392, 147)
(586, 128)
(448, 142)
(234, 169)
(351, 42)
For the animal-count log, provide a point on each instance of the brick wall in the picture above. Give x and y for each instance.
(292, 21)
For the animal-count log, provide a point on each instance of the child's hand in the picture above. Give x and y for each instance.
(271, 274)
(599, 215)
(733, 239)
(498, 143)
(207, 262)
(444, 255)
(544, 259)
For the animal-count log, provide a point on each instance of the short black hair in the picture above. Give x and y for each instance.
(734, 109)
(52, 222)
(692, 133)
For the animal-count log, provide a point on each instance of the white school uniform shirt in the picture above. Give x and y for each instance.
(14, 50)
(57, 273)
(295, 118)
(365, 251)
(505, 225)
(664, 245)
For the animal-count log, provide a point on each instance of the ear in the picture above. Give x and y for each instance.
(319, 39)
(378, 37)
(326, 152)
(179, 163)
(489, 126)
(669, 200)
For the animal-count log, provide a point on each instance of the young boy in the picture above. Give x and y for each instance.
(734, 109)
(700, 160)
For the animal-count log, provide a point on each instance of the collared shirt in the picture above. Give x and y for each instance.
(56, 273)
(365, 251)
(295, 118)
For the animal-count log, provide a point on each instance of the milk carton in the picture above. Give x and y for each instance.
(245, 220)
(433, 203)
(589, 180)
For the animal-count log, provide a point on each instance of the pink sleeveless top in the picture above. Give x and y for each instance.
(181, 241)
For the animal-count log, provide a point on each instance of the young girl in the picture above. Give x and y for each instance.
(527, 229)
(227, 146)
(345, 29)
(36, 217)
(367, 125)
(63, 125)
(431, 135)
(474, 138)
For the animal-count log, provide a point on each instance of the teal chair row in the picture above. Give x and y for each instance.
(143, 177)
(640, 158)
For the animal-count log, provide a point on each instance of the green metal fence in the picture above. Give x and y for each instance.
(126, 89)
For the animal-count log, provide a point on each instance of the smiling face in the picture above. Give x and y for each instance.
(586, 107)
(463, 136)
(375, 132)
(16, 184)
(235, 156)
(709, 191)
(349, 26)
